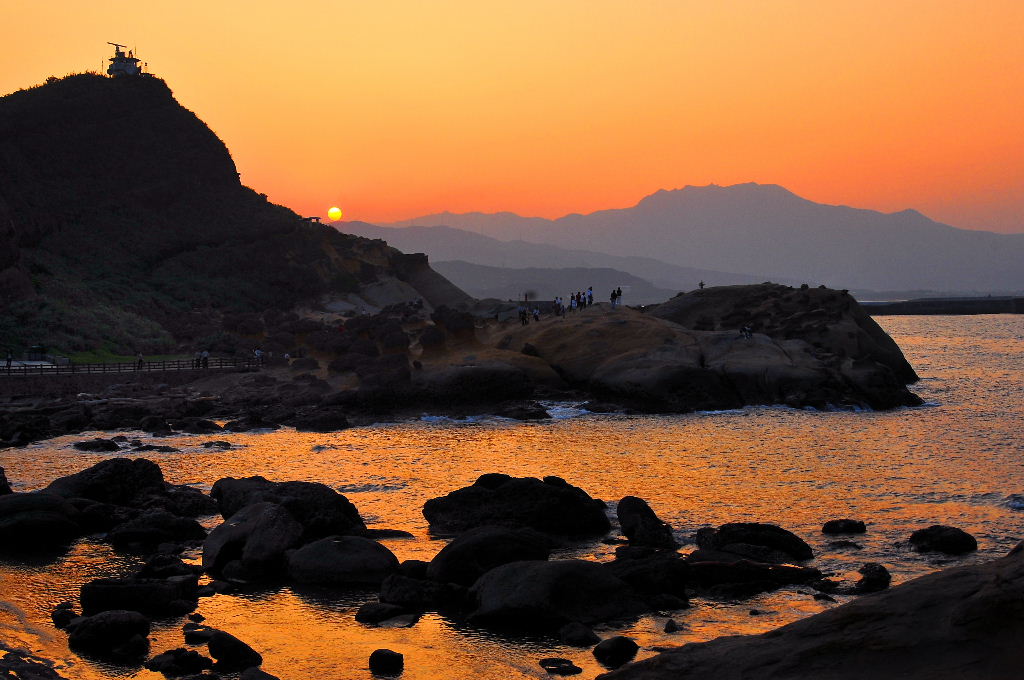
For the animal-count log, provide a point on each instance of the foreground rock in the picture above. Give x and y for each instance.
(550, 505)
(18, 665)
(963, 623)
(36, 521)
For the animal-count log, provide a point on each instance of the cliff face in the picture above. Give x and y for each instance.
(120, 211)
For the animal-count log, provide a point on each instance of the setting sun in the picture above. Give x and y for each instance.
(334, 214)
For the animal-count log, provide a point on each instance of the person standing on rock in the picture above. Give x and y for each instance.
(618, 295)
(615, 298)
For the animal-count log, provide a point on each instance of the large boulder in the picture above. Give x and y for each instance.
(479, 550)
(342, 560)
(641, 526)
(320, 510)
(945, 539)
(121, 481)
(549, 594)
(256, 536)
(36, 521)
(755, 541)
(116, 636)
(551, 506)
(175, 663)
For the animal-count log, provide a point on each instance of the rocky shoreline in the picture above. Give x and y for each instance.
(496, 572)
(812, 348)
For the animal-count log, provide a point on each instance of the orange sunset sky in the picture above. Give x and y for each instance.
(392, 109)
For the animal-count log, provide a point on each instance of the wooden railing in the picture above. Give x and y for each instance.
(213, 363)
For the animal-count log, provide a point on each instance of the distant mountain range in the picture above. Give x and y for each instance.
(486, 267)
(765, 231)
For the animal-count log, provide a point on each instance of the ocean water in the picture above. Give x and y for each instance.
(957, 460)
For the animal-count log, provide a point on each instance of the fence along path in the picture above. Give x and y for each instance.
(214, 363)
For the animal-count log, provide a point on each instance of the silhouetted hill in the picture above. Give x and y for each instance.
(448, 244)
(544, 284)
(123, 224)
(767, 230)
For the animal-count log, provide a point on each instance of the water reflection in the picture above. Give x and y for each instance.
(956, 462)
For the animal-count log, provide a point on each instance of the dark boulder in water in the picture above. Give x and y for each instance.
(743, 578)
(99, 444)
(5, 487)
(756, 541)
(415, 593)
(641, 526)
(36, 521)
(175, 663)
(320, 510)
(616, 651)
(874, 577)
(115, 636)
(375, 612)
(655, 575)
(843, 526)
(386, 662)
(479, 550)
(560, 666)
(945, 539)
(551, 506)
(232, 654)
(257, 537)
(342, 560)
(153, 527)
(172, 596)
(546, 595)
(120, 481)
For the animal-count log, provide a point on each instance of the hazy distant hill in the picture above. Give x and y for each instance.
(443, 244)
(544, 284)
(768, 231)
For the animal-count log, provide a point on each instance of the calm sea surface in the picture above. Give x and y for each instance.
(958, 460)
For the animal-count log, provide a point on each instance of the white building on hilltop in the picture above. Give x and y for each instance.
(122, 64)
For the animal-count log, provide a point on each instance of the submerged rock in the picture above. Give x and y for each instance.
(231, 653)
(175, 663)
(551, 506)
(98, 444)
(874, 577)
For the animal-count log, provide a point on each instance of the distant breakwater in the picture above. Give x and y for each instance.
(948, 306)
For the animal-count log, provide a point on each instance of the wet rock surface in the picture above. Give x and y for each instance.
(944, 539)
